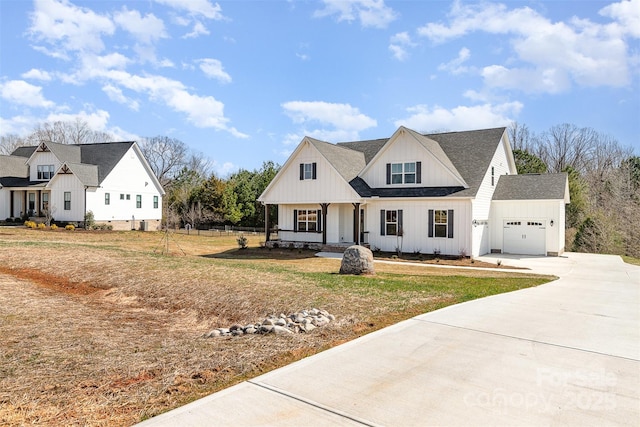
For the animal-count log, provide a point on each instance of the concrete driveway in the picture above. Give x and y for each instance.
(564, 353)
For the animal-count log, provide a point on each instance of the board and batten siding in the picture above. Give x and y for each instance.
(526, 210)
(42, 158)
(128, 177)
(406, 149)
(286, 224)
(60, 184)
(328, 187)
(481, 232)
(415, 219)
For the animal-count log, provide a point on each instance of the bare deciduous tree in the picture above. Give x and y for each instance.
(9, 142)
(165, 155)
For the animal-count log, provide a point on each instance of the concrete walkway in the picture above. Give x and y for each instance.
(564, 353)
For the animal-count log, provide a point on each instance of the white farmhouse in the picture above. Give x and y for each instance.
(449, 193)
(113, 180)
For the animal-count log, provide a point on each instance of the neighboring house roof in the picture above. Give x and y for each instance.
(14, 171)
(86, 174)
(91, 163)
(553, 186)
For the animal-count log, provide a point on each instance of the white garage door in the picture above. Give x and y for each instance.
(525, 237)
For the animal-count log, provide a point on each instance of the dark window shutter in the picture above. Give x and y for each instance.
(301, 171)
(295, 220)
(450, 224)
(400, 231)
(430, 222)
(313, 170)
(319, 219)
(382, 223)
(418, 172)
(388, 173)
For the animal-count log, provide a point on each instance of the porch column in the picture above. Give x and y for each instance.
(11, 204)
(325, 208)
(267, 225)
(356, 223)
(38, 201)
(26, 202)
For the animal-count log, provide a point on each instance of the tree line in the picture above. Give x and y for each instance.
(604, 184)
(604, 180)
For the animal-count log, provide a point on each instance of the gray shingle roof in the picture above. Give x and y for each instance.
(470, 153)
(347, 162)
(552, 186)
(91, 162)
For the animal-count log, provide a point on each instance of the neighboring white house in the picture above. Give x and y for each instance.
(455, 193)
(113, 180)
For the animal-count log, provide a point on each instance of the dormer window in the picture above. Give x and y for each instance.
(45, 172)
(404, 173)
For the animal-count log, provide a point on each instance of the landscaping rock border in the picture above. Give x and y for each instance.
(303, 321)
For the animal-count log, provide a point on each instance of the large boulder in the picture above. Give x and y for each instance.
(357, 260)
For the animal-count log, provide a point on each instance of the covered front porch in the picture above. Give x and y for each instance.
(318, 225)
(32, 201)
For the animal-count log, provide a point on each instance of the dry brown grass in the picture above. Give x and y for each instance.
(98, 329)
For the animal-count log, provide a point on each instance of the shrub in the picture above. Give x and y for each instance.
(30, 224)
(54, 227)
(41, 226)
(70, 227)
(89, 220)
(242, 241)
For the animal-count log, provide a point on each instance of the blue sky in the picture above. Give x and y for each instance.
(243, 81)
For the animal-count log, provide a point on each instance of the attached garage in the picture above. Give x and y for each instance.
(526, 237)
(528, 214)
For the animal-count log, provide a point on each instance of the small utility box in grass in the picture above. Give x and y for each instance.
(357, 260)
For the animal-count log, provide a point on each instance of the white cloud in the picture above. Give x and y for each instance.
(146, 30)
(201, 111)
(398, 45)
(225, 169)
(23, 93)
(424, 119)
(627, 15)
(338, 122)
(96, 120)
(20, 125)
(213, 68)
(198, 30)
(559, 53)
(68, 28)
(196, 7)
(115, 94)
(549, 80)
(36, 74)
(455, 65)
(370, 13)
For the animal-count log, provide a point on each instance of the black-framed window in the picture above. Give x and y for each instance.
(107, 198)
(128, 196)
(121, 196)
(441, 223)
(308, 171)
(391, 222)
(45, 201)
(493, 171)
(138, 201)
(155, 202)
(45, 172)
(404, 173)
(307, 220)
(67, 200)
